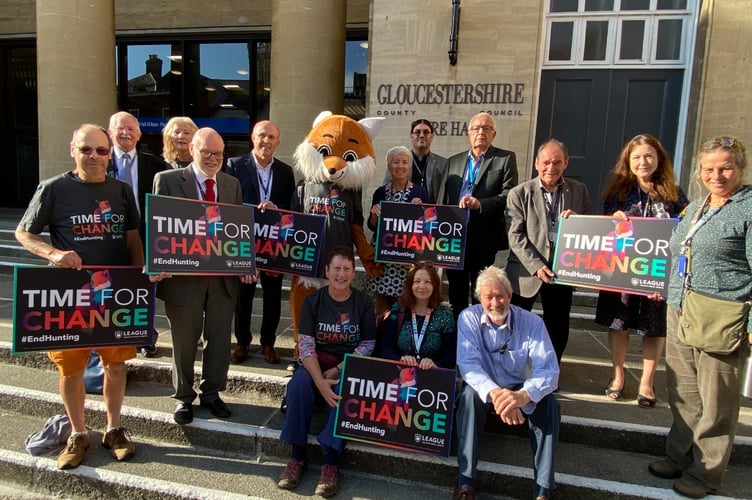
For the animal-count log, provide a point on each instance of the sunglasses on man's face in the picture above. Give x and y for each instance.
(88, 150)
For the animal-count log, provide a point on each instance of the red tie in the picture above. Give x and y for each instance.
(209, 194)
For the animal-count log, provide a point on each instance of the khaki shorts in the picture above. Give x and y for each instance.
(73, 361)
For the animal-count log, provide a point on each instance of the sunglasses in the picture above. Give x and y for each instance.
(88, 150)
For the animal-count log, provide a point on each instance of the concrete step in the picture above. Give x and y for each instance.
(243, 454)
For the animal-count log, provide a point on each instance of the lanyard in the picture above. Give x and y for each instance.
(421, 172)
(418, 336)
(473, 167)
(552, 208)
(201, 190)
(265, 186)
(699, 221)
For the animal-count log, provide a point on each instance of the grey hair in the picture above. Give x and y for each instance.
(490, 276)
(397, 151)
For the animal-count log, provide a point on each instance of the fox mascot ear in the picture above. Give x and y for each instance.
(339, 149)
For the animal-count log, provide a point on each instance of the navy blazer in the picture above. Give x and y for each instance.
(243, 168)
(496, 176)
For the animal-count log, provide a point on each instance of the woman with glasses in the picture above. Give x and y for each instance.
(387, 287)
(711, 252)
(176, 136)
(420, 330)
(642, 184)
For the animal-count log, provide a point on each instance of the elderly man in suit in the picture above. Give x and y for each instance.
(479, 180)
(533, 212)
(428, 168)
(200, 305)
(266, 182)
(137, 169)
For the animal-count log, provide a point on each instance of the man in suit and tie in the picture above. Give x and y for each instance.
(533, 211)
(479, 180)
(136, 169)
(428, 168)
(197, 305)
(266, 182)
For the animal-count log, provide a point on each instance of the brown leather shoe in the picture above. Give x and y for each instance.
(239, 354)
(464, 492)
(270, 354)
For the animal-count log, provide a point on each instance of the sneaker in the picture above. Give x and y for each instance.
(118, 441)
(328, 482)
(290, 477)
(73, 454)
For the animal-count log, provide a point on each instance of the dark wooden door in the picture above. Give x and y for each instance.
(594, 112)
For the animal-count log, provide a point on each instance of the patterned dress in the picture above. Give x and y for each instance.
(622, 311)
(393, 279)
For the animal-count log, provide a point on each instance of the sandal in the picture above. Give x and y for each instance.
(614, 394)
(645, 402)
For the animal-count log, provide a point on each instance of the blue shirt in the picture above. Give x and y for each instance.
(528, 363)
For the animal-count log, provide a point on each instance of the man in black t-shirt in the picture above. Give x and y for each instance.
(74, 205)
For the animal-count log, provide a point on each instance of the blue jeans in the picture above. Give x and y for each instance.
(543, 424)
(300, 396)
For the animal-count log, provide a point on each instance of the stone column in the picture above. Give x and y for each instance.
(75, 74)
(307, 66)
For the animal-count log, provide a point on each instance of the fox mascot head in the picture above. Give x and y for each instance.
(339, 149)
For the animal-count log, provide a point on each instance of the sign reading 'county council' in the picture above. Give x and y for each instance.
(390, 404)
(611, 254)
(408, 233)
(288, 242)
(56, 308)
(198, 237)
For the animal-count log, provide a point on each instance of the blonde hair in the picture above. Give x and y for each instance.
(169, 153)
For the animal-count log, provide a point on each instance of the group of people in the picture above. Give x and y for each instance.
(507, 357)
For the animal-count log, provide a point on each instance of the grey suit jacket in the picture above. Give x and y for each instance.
(181, 183)
(528, 230)
(436, 167)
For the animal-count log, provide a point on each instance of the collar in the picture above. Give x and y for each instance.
(267, 168)
(481, 156)
(558, 185)
(200, 177)
(119, 152)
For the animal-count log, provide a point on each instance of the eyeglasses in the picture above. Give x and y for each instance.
(484, 128)
(208, 154)
(422, 132)
(88, 150)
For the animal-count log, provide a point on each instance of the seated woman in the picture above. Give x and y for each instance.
(335, 320)
(420, 330)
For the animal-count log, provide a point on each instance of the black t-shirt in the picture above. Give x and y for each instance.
(338, 327)
(90, 218)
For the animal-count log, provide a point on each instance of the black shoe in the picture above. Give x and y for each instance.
(183, 413)
(218, 408)
(148, 351)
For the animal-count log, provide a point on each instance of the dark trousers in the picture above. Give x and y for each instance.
(557, 304)
(543, 425)
(300, 396)
(271, 313)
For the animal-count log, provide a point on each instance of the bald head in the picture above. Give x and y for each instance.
(90, 150)
(265, 138)
(207, 150)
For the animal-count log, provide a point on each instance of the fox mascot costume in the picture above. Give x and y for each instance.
(336, 160)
